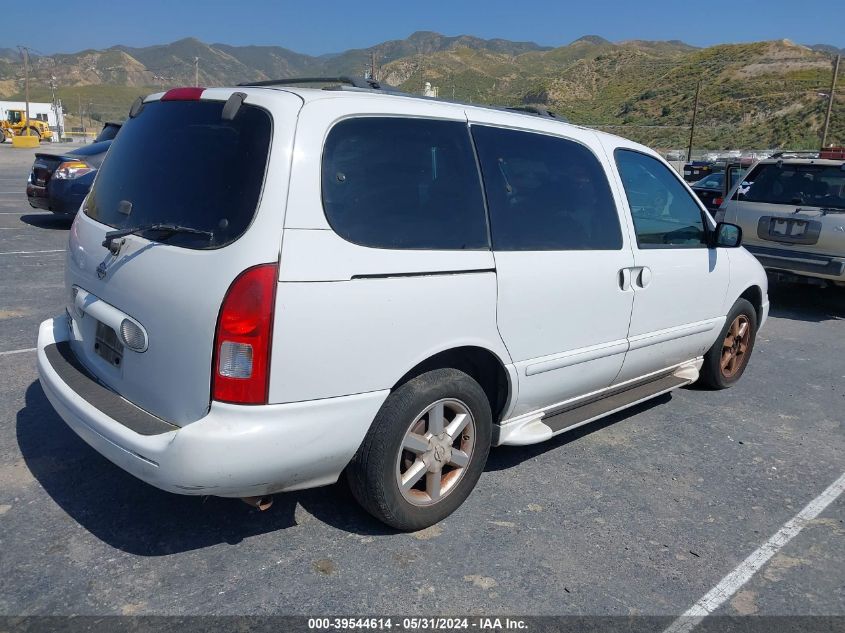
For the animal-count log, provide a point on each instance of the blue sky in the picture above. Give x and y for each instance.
(321, 27)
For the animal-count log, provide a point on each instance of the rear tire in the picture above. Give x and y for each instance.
(425, 450)
(726, 361)
(31, 131)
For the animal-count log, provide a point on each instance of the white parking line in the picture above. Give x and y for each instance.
(58, 250)
(731, 583)
(18, 351)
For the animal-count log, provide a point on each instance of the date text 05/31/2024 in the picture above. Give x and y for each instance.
(418, 624)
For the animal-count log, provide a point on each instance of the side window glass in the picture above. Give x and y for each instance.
(665, 214)
(545, 193)
(390, 182)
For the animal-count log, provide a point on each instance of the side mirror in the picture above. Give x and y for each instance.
(727, 235)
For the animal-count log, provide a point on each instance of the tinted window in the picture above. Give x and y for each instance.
(108, 132)
(179, 162)
(714, 181)
(403, 183)
(796, 184)
(545, 193)
(665, 214)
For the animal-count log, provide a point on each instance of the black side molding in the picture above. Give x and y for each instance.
(75, 376)
(429, 273)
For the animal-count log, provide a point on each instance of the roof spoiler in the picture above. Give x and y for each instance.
(355, 82)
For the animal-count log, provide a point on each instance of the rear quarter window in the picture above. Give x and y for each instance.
(179, 162)
(403, 183)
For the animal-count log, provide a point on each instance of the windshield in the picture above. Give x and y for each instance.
(108, 132)
(713, 181)
(796, 184)
(179, 162)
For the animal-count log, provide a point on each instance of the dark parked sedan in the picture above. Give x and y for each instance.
(60, 182)
(712, 189)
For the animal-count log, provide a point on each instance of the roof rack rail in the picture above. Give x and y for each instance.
(538, 110)
(362, 83)
(356, 82)
(797, 154)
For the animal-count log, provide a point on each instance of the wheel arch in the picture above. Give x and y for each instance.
(754, 295)
(480, 363)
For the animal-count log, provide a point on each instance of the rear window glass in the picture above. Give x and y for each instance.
(179, 162)
(403, 183)
(795, 184)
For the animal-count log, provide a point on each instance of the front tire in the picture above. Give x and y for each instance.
(425, 450)
(726, 361)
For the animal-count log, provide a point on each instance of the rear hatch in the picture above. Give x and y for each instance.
(182, 163)
(795, 205)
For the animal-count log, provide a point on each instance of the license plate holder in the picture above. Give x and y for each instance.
(107, 345)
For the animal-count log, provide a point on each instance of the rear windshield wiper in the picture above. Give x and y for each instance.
(171, 229)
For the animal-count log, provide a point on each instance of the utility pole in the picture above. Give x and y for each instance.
(694, 114)
(25, 53)
(830, 101)
(373, 65)
(196, 71)
(54, 105)
(81, 119)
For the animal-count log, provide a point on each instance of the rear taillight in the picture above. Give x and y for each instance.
(718, 201)
(241, 363)
(71, 169)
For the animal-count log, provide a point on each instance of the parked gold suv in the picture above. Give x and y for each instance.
(791, 208)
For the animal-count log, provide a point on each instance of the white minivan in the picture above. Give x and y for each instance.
(270, 286)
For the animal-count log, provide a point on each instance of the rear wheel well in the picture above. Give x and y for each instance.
(754, 295)
(479, 363)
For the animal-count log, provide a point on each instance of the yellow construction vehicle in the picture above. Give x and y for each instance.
(16, 124)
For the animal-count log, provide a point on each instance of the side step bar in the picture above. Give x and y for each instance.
(588, 411)
(538, 427)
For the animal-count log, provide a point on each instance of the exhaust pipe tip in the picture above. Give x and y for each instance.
(262, 502)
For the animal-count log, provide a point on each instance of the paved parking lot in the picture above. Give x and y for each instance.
(642, 513)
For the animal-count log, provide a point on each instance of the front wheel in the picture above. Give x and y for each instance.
(725, 362)
(425, 450)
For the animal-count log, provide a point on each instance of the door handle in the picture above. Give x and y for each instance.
(625, 279)
(634, 278)
(643, 277)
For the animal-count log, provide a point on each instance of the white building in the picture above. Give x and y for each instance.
(43, 111)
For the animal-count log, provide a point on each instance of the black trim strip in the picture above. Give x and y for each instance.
(75, 376)
(607, 402)
(427, 273)
(785, 252)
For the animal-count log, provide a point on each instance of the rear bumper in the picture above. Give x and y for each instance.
(59, 196)
(800, 263)
(234, 451)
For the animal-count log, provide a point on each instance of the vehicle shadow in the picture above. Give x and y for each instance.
(48, 221)
(803, 302)
(139, 519)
